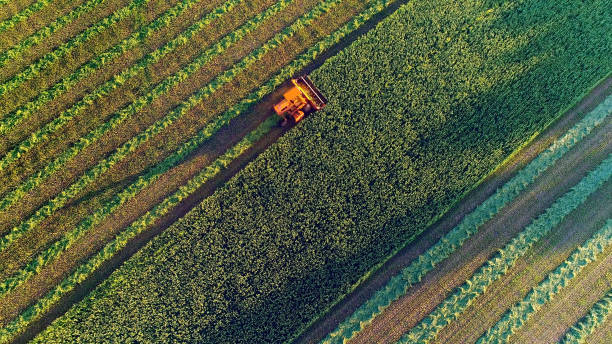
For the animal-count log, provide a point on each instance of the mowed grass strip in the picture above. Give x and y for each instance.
(597, 315)
(137, 38)
(23, 14)
(518, 314)
(413, 273)
(170, 202)
(116, 119)
(58, 53)
(497, 266)
(154, 173)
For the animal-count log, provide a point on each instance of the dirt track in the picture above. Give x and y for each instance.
(471, 201)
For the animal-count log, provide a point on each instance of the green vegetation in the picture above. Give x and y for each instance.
(34, 69)
(85, 270)
(24, 14)
(516, 316)
(412, 274)
(28, 109)
(184, 107)
(596, 316)
(412, 124)
(122, 115)
(505, 258)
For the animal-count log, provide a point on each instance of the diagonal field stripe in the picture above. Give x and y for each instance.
(454, 305)
(413, 273)
(520, 313)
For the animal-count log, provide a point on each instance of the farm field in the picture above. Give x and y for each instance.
(112, 131)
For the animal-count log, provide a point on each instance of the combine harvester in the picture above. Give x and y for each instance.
(301, 99)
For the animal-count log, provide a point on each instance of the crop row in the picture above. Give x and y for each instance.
(120, 116)
(101, 60)
(152, 174)
(58, 53)
(138, 226)
(521, 312)
(596, 316)
(165, 206)
(412, 274)
(24, 14)
(454, 305)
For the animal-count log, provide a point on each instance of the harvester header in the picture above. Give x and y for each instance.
(301, 99)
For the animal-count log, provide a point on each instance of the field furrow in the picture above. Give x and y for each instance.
(595, 318)
(137, 38)
(23, 14)
(520, 313)
(116, 119)
(546, 255)
(463, 296)
(34, 69)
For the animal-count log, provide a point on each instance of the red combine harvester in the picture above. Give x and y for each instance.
(299, 100)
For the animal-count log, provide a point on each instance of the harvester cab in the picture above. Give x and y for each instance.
(301, 99)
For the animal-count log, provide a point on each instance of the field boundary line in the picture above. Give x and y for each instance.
(61, 87)
(554, 282)
(33, 69)
(463, 296)
(114, 119)
(596, 316)
(399, 284)
(24, 14)
(121, 240)
(156, 171)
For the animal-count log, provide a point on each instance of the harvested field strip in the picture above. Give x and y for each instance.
(122, 239)
(24, 14)
(412, 274)
(152, 174)
(17, 326)
(34, 69)
(516, 316)
(497, 266)
(36, 179)
(28, 109)
(596, 316)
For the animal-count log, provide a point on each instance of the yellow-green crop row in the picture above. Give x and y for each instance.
(152, 174)
(24, 14)
(140, 225)
(521, 312)
(34, 69)
(596, 316)
(30, 108)
(119, 117)
(454, 305)
(412, 274)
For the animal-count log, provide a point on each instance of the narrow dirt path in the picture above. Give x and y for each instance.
(352, 301)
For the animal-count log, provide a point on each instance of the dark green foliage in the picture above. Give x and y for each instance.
(421, 108)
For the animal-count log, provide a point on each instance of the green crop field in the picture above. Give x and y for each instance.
(145, 127)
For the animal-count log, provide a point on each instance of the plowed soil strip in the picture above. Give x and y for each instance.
(556, 317)
(423, 298)
(544, 257)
